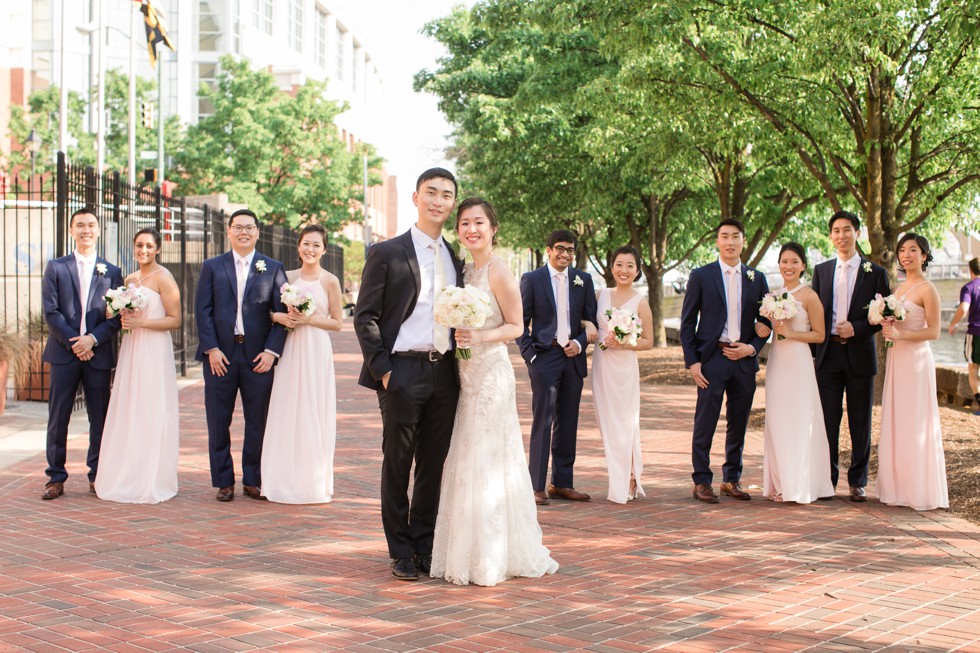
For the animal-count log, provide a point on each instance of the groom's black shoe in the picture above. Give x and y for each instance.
(404, 569)
(703, 492)
(735, 491)
(424, 562)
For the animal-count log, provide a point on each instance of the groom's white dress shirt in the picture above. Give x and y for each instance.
(850, 266)
(86, 268)
(416, 332)
(737, 279)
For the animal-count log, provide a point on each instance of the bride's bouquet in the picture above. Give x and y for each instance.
(467, 307)
(882, 308)
(125, 298)
(778, 305)
(624, 325)
(298, 298)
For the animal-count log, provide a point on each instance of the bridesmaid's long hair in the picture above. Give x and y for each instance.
(797, 249)
(469, 203)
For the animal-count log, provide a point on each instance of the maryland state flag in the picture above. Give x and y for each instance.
(156, 30)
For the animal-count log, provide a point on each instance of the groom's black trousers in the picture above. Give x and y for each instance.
(835, 378)
(417, 411)
(725, 377)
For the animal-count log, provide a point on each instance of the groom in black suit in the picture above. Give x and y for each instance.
(847, 360)
(721, 346)
(81, 345)
(557, 299)
(239, 346)
(409, 362)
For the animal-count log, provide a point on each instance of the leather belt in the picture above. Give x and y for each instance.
(240, 339)
(727, 345)
(838, 339)
(431, 356)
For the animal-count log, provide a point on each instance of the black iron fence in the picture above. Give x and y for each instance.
(35, 213)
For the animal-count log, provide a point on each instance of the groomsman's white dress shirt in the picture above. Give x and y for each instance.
(416, 332)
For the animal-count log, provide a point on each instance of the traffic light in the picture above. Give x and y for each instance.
(146, 112)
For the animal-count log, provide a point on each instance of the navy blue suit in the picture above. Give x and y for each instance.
(215, 309)
(703, 317)
(556, 379)
(849, 368)
(61, 297)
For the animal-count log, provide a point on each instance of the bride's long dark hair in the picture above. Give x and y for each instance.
(469, 203)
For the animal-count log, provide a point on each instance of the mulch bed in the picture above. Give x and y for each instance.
(960, 432)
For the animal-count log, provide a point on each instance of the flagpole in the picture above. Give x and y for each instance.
(63, 91)
(100, 117)
(160, 117)
(132, 96)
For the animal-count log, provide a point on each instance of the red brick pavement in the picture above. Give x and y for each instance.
(664, 572)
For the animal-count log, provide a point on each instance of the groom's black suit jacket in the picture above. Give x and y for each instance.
(389, 291)
(860, 349)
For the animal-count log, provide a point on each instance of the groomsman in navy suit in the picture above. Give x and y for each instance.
(80, 347)
(847, 360)
(557, 300)
(721, 346)
(239, 345)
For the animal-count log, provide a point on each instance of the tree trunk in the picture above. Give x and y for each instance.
(655, 297)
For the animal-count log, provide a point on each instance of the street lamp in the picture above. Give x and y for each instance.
(33, 143)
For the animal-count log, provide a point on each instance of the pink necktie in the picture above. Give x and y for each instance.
(733, 327)
(840, 297)
(561, 301)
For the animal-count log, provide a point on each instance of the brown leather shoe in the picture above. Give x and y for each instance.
(253, 492)
(858, 494)
(703, 492)
(91, 487)
(53, 491)
(735, 491)
(567, 493)
(541, 498)
(225, 493)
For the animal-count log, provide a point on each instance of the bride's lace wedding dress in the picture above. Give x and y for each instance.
(487, 530)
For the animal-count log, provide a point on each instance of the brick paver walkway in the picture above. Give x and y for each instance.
(663, 572)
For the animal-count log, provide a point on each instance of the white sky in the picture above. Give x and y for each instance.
(418, 132)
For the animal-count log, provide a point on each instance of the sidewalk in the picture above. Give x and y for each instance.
(664, 572)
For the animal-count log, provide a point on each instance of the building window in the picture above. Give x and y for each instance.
(296, 25)
(263, 15)
(341, 33)
(321, 38)
(209, 25)
(355, 80)
(207, 73)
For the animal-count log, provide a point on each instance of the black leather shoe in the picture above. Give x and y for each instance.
(424, 562)
(404, 569)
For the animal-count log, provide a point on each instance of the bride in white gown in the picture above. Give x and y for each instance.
(487, 529)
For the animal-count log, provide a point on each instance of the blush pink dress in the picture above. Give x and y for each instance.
(616, 395)
(138, 462)
(911, 463)
(301, 432)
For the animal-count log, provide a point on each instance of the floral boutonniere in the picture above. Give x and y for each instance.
(578, 281)
(867, 266)
(260, 266)
(101, 268)
(750, 274)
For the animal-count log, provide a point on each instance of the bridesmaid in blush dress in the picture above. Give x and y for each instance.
(911, 463)
(616, 379)
(298, 448)
(796, 464)
(140, 444)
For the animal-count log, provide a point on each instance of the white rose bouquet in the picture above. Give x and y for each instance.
(882, 308)
(130, 298)
(778, 305)
(624, 325)
(298, 298)
(467, 307)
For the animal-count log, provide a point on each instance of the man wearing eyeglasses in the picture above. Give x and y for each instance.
(239, 344)
(557, 300)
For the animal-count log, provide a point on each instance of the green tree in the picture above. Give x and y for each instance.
(41, 115)
(277, 152)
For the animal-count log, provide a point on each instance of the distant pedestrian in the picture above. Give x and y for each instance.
(970, 306)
